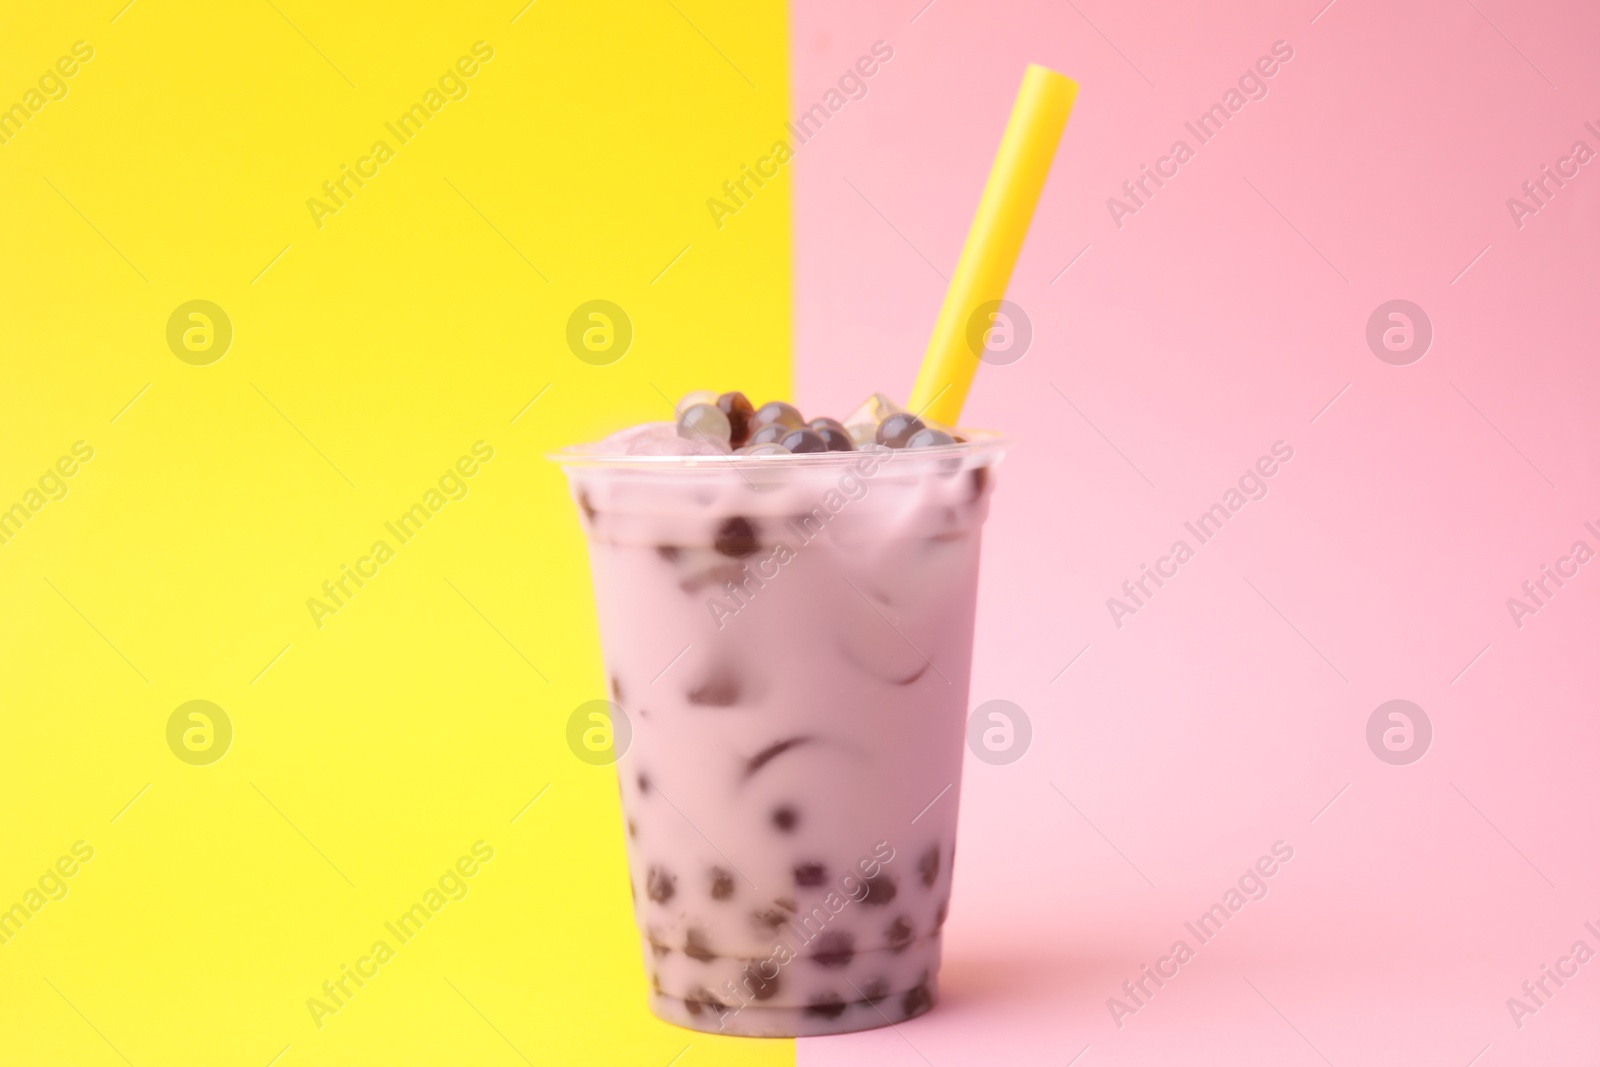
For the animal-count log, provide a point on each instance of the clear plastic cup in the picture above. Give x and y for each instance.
(791, 641)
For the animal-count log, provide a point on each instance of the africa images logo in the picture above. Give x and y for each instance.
(1252, 85)
(452, 485)
(1251, 886)
(452, 85)
(451, 886)
(852, 85)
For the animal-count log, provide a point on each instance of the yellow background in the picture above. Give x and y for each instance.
(374, 751)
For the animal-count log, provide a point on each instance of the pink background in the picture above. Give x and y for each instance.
(1222, 317)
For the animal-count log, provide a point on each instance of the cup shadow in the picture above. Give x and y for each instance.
(977, 978)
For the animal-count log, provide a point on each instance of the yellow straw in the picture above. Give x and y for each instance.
(1020, 167)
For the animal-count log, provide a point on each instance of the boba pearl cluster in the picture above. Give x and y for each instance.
(730, 423)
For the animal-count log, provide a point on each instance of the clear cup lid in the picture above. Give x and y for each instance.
(981, 448)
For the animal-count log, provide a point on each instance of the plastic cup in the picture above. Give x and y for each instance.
(791, 641)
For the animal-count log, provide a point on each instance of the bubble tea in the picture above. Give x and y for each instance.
(786, 613)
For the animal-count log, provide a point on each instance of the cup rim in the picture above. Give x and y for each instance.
(979, 443)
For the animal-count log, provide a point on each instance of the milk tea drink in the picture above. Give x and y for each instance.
(790, 637)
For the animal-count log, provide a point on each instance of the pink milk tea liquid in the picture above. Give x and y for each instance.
(791, 639)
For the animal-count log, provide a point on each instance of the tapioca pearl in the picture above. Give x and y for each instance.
(941, 913)
(768, 918)
(776, 412)
(928, 437)
(770, 434)
(918, 998)
(928, 865)
(900, 934)
(721, 884)
(897, 429)
(760, 986)
(826, 1006)
(644, 784)
(804, 440)
(785, 818)
(660, 951)
(660, 884)
(880, 890)
(633, 828)
(736, 537)
(775, 916)
(583, 503)
(721, 690)
(616, 688)
(705, 422)
(810, 874)
(836, 440)
(824, 423)
(669, 553)
(701, 999)
(834, 948)
(695, 946)
(980, 479)
(739, 410)
(875, 990)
